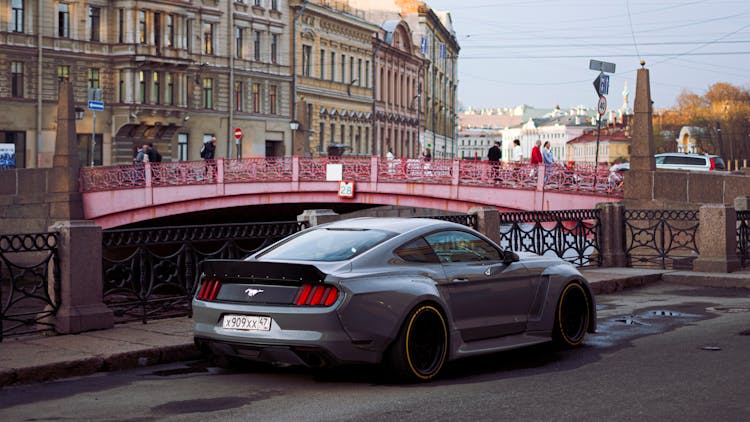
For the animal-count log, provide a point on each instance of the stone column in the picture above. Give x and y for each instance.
(66, 200)
(318, 217)
(488, 222)
(639, 180)
(612, 234)
(717, 240)
(80, 251)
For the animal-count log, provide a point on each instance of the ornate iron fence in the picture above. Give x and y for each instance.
(661, 238)
(150, 273)
(29, 282)
(743, 237)
(572, 235)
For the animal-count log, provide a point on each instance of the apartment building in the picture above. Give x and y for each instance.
(172, 73)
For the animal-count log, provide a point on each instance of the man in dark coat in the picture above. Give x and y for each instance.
(493, 156)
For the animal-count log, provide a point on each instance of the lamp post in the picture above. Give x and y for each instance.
(79, 113)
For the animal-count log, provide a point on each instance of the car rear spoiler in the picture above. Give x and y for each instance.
(227, 269)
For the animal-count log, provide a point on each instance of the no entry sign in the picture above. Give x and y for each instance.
(237, 133)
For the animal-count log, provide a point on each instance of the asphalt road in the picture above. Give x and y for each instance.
(663, 352)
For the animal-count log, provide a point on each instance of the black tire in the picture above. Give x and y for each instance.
(572, 316)
(421, 348)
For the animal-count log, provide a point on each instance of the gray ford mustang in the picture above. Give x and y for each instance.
(411, 293)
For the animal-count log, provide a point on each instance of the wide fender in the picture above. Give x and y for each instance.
(375, 308)
(556, 277)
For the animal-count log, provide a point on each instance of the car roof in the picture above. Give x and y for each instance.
(684, 154)
(394, 224)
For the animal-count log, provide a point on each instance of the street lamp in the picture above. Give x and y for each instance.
(294, 125)
(79, 113)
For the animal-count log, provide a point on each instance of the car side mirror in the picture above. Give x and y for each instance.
(510, 257)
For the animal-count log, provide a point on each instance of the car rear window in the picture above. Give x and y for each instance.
(326, 245)
(685, 161)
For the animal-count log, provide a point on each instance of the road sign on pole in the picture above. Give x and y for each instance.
(601, 107)
(237, 133)
(96, 105)
(602, 66)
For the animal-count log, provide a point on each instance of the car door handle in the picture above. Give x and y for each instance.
(460, 280)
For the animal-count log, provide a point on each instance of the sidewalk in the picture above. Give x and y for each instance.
(29, 359)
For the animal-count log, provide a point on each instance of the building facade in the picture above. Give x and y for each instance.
(614, 145)
(172, 73)
(333, 62)
(398, 75)
(474, 144)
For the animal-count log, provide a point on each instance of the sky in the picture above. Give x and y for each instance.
(537, 52)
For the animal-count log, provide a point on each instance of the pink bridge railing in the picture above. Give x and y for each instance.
(361, 169)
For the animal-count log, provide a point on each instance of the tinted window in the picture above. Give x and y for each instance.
(417, 251)
(719, 163)
(459, 246)
(326, 245)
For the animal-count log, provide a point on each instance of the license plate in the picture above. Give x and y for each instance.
(246, 323)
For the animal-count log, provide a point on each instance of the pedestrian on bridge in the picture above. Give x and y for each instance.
(493, 156)
(208, 152)
(517, 151)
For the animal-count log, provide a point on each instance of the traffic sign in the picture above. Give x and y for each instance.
(96, 105)
(601, 84)
(346, 188)
(602, 66)
(602, 106)
(237, 133)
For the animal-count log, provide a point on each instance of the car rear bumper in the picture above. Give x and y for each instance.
(311, 336)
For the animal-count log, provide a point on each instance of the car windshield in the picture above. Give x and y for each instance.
(326, 245)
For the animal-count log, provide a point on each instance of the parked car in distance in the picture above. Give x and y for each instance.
(412, 293)
(685, 161)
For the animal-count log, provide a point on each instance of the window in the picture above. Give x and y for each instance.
(343, 68)
(274, 48)
(351, 70)
(272, 98)
(93, 77)
(157, 29)
(326, 245)
(322, 137)
(169, 93)
(417, 251)
(182, 146)
(121, 90)
(274, 4)
(306, 58)
(142, 28)
(189, 35)
(343, 133)
(16, 79)
(256, 3)
(63, 20)
(63, 72)
(16, 15)
(322, 63)
(256, 45)
(208, 93)
(156, 90)
(333, 134)
(170, 31)
(141, 86)
(208, 38)
(256, 98)
(367, 73)
(458, 246)
(359, 72)
(238, 43)
(238, 103)
(333, 65)
(120, 26)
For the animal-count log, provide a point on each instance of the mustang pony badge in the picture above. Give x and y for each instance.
(253, 292)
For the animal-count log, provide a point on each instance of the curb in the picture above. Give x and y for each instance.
(610, 286)
(94, 364)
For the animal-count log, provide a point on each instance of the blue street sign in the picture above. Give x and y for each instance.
(604, 84)
(96, 105)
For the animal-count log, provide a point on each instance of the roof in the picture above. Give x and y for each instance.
(606, 135)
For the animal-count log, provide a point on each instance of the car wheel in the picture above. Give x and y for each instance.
(572, 316)
(422, 345)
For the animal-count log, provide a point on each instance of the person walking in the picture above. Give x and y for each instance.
(517, 152)
(427, 154)
(549, 160)
(208, 153)
(143, 155)
(493, 156)
(536, 153)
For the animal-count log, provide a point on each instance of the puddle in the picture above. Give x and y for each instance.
(728, 309)
(629, 321)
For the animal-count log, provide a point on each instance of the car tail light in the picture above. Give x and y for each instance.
(209, 289)
(712, 163)
(317, 295)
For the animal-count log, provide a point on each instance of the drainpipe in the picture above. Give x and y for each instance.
(231, 49)
(297, 14)
(37, 147)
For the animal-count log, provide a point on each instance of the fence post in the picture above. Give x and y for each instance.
(717, 239)
(612, 234)
(488, 222)
(80, 252)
